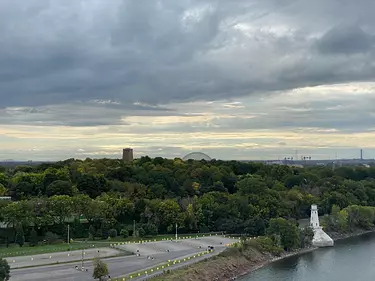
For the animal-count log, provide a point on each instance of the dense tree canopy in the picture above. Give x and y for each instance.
(157, 194)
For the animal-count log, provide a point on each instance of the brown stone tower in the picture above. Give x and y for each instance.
(127, 154)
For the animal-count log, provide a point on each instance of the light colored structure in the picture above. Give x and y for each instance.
(321, 239)
(197, 156)
(127, 154)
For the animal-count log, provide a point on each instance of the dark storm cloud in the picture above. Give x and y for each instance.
(57, 52)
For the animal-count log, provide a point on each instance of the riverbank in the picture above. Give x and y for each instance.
(336, 236)
(234, 262)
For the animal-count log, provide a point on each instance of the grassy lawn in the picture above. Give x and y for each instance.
(153, 238)
(15, 250)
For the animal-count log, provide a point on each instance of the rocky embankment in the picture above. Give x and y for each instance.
(225, 266)
(228, 265)
(235, 262)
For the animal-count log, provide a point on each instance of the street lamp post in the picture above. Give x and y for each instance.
(68, 235)
(83, 253)
(176, 231)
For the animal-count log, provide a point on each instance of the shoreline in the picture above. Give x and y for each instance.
(234, 264)
(335, 236)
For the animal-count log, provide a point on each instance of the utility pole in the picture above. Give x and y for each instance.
(134, 228)
(176, 231)
(68, 235)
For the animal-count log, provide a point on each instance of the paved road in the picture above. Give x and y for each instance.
(120, 266)
(60, 257)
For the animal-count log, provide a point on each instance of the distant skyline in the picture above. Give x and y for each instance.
(242, 79)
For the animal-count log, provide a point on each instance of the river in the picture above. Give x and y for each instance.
(352, 259)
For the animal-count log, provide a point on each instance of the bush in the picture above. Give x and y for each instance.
(230, 252)
(112, 233)
(264, 245)
(92, 232)
(51, 238)
(4, 270)
(124, 233)
(141, 232)
(33, 240)
(100, 269)
(20, 236)
(150, 229)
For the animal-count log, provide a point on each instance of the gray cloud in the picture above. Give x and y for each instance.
(346, 40)
(156, 52)
(94, 113)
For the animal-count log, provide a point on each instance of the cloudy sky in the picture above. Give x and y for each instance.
(239, 79)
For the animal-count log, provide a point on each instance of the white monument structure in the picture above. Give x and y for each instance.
(321, 239)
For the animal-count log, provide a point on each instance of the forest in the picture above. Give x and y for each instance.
(99, 198)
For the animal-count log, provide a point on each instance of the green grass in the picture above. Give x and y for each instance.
(152, 238)
(15, 250)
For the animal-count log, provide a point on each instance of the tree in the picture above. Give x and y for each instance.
(168, 212)
(59, 187)
(100, 269)
(20, 236)
(4, 270)
(3, 190)
(33, 240)
(286, 230)
(251, 185)
(61, 207)
(16, 213)
(306, 237)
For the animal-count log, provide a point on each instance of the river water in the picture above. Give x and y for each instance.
(351, 259)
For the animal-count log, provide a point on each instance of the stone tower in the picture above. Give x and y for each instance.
(127, 154)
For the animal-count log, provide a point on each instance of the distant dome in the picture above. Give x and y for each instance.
(197, 156)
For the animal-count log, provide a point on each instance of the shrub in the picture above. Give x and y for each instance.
(264, 245)
(141, 232)
(112, 233)
(51, 238)
(33, 240)
(20, 236)
(100, 269)
(4, 270)
(92, 232)
(150, 229)
(124, 233)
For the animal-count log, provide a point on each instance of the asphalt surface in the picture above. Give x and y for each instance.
(60, 257)
(120, 266)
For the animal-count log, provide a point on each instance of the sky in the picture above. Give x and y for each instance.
(239, 79)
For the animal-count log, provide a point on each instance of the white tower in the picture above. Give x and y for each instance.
(314, 219)
(320, 239)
